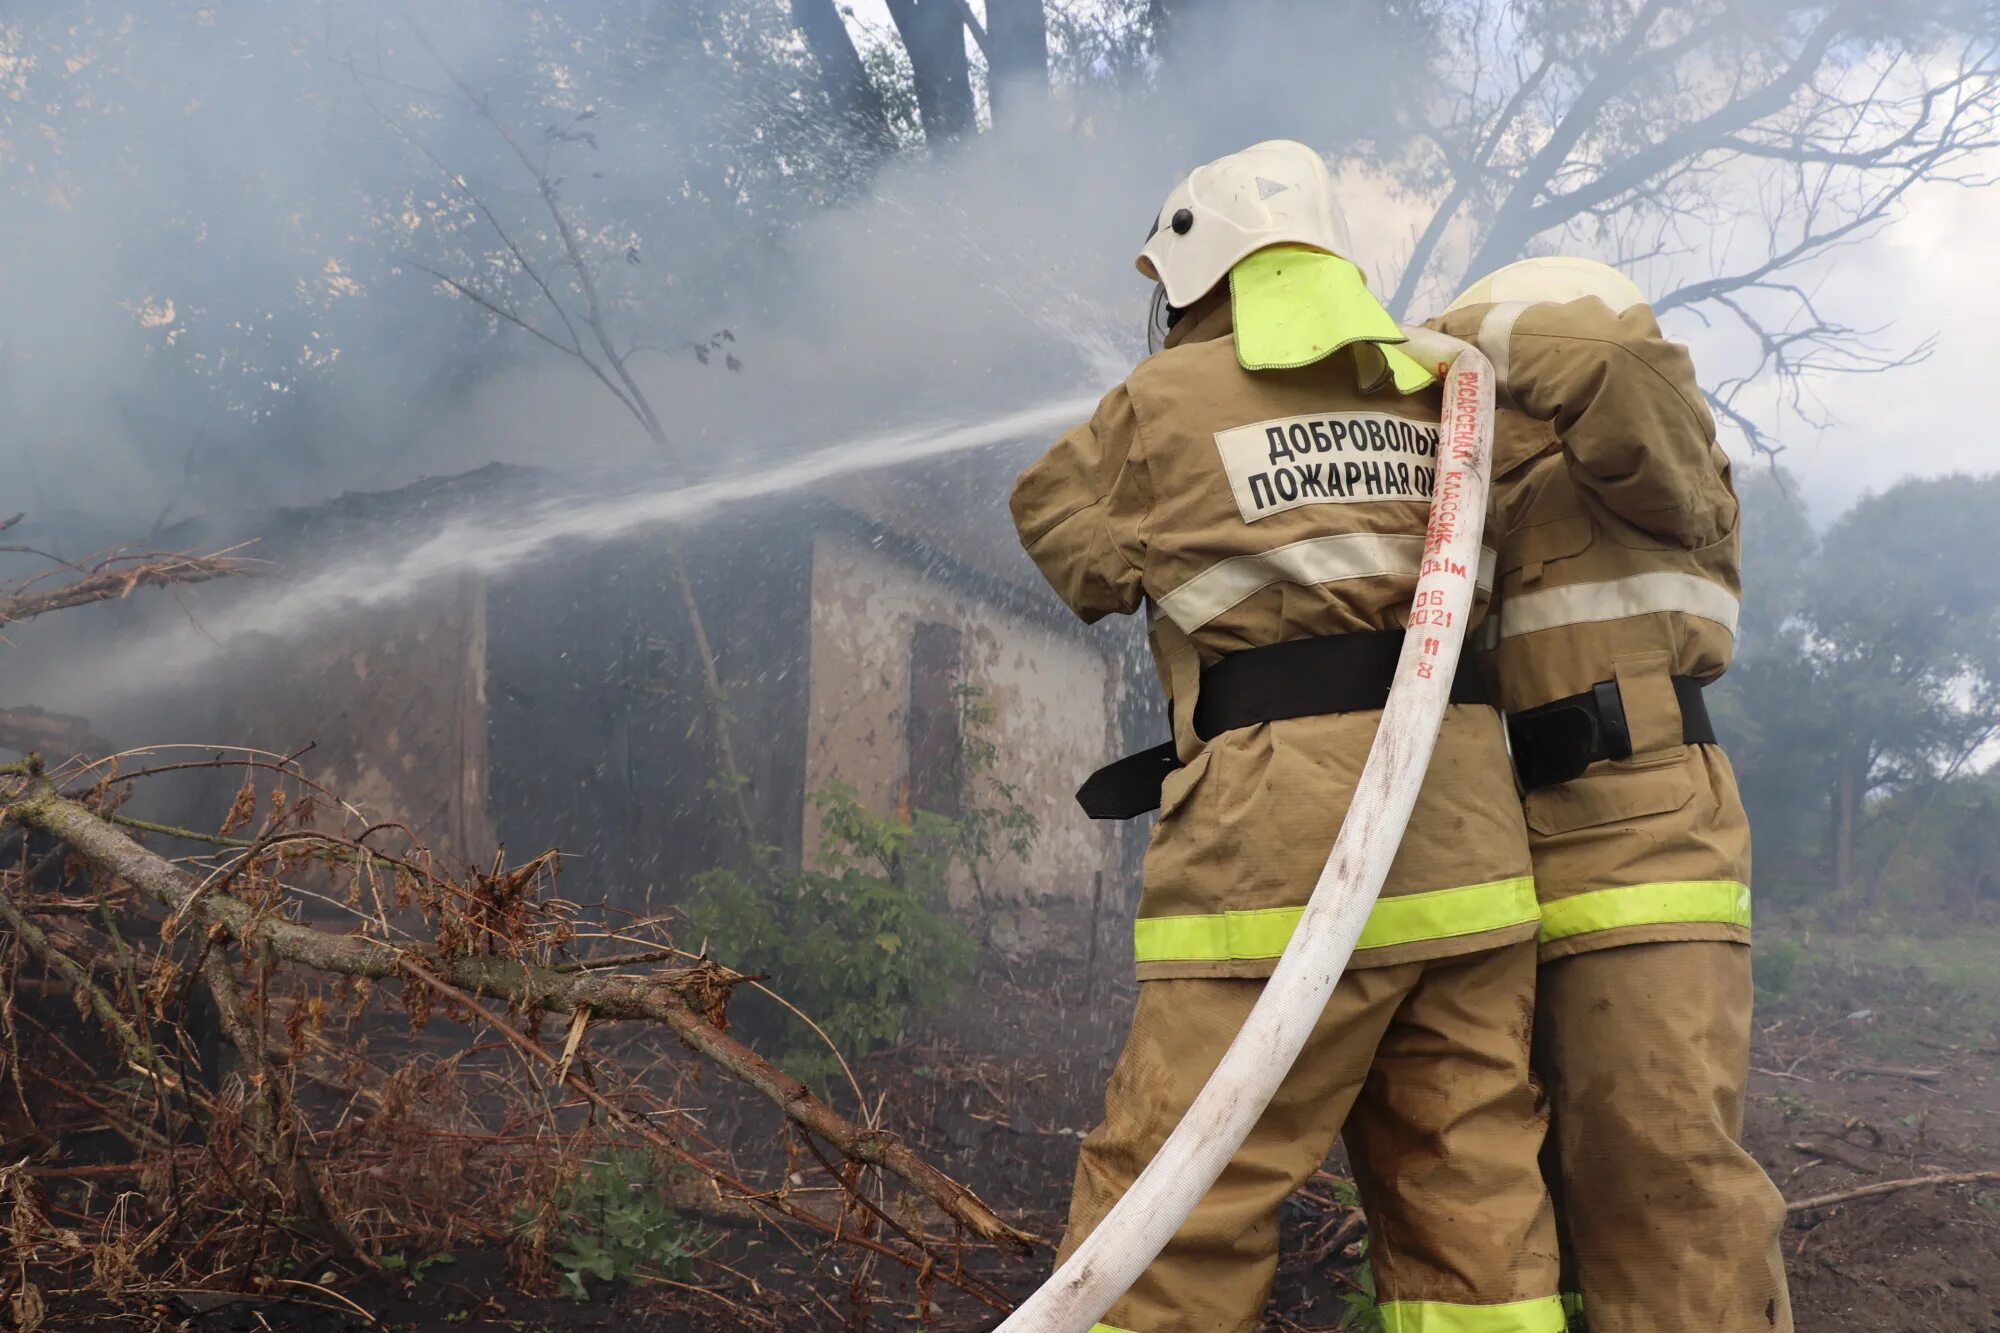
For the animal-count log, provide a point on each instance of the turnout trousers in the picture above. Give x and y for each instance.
(1667, 1223)
(1424, 1067)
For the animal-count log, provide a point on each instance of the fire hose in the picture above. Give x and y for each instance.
(1139, 1226)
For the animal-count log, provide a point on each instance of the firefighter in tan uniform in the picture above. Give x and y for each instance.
(1615, 604)
(1261, 487)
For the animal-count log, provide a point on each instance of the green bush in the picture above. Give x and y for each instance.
(861, 940)
(1775, 963)
(1360, 1310)
(613, 1223)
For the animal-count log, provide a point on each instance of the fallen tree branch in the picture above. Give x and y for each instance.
(1893, 1071)
(274, 1118)
(675, 998)
(748, 1199)
(1890, 1187)
(719, 1208)
(1827, 1153)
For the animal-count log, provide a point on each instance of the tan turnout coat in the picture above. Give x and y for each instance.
(1616, 526)
(1244, 509)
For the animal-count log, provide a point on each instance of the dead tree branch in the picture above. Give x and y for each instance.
(1889, 1187)
(676, 998)
(140, 1054)
(113, 579)
(274, 1117)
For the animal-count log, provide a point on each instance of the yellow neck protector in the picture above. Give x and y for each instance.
(1293, 305)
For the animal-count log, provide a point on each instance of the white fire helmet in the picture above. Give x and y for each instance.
(1553, 278)
(1273, 193)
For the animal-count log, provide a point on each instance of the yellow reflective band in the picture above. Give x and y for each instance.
(1573, 1307)
(1544, 1315)
(1673, 902)
(1409, 918)
(1293, 305)
(1106, 1328)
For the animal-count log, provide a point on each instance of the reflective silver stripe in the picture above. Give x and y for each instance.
(1638, 595)
(1496, 338)
(1348, 555)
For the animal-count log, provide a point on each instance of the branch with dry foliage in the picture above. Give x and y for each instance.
(244, 920)
(109, 578)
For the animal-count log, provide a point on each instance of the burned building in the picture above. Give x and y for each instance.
(562, 700)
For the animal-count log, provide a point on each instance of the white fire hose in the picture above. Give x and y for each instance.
(1139, 1226)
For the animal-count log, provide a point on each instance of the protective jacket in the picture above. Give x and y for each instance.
(1245, 509)
(1616, 526)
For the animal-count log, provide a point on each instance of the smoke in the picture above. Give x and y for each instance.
(237, 230)
(226, 221)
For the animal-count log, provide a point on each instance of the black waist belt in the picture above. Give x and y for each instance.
(1337, 673)
(1558, 741)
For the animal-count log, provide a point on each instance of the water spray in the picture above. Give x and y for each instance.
(490, 544)
(1139, 1226)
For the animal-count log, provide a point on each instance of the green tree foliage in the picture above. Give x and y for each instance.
(1905, 644)
(1935, 845)
(1767, 708)
(1868, 682)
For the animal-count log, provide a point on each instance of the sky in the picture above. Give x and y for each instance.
(1935, 273)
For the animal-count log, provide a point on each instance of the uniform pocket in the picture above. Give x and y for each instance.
(1526, 552)
(1612, 793)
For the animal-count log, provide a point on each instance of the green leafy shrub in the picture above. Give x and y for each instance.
(861, 939)
(613, 1223)
(1776, 966)
(1360, 1311)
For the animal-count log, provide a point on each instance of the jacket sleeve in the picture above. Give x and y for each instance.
(1081, 509)
(1626, 404)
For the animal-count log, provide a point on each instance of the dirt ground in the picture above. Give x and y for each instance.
(1866, 1072)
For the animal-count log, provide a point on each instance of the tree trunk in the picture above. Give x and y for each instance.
(854, 95)
(1017, 57)
(1846, 803)
(933, 33)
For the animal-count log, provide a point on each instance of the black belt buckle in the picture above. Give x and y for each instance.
(1131, 786)
(1555, 743)
(1614, 733)
(1551, 744)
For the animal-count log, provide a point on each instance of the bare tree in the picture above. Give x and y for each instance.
(559, 267)
(1017, 54)
(1013, 40)
(1726, 145)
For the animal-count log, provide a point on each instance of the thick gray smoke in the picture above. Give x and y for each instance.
(225, 223)
(262, 255)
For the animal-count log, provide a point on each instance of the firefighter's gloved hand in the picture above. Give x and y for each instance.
(1431, 348)
(1490, 328)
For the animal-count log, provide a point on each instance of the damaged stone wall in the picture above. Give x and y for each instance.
(1054, 691)
(393, 709)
